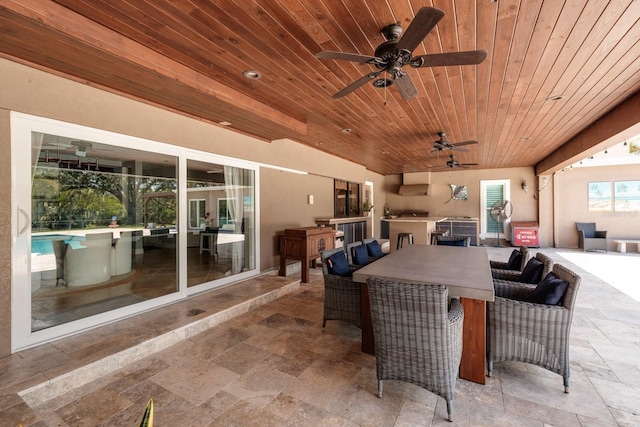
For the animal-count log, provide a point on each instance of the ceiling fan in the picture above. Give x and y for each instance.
(444, 144)
(392, 55)
(453, 163)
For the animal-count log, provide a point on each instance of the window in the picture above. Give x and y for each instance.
(198, 214)
(618, 196)
(627, 196)
(224, 212)
(346, 199)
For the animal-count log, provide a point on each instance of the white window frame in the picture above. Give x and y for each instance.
(198, 214)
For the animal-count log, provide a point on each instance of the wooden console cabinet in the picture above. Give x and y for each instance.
(304, 244)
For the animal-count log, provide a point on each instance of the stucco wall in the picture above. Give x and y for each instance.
(524, 204)
(283, 194)
(572, 200)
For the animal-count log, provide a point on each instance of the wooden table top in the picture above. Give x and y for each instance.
(464, 270)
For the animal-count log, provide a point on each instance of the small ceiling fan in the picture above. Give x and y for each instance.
(453, 163)
(392, 55)
(444, 144)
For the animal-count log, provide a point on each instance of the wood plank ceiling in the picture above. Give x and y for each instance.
(189, 56)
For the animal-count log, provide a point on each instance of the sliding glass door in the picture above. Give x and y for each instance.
(104, 230)
(222, 244)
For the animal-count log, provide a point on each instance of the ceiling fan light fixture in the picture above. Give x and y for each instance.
(382, 83)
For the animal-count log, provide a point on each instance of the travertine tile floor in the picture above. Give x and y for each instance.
(273, 365)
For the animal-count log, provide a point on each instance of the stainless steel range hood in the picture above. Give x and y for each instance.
(414, 190)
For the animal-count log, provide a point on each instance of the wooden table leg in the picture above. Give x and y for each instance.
(368, 345)
(474, 335)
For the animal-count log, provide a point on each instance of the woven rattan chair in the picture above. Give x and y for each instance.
(528, 332)
(418, 338)
(500, 265)
(590, 239)
(515, 276)
(341, 294)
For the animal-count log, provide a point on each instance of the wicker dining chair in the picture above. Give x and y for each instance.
(523, 276)
(528, 332)
(523, 251)
(341, 293)
(418, 337)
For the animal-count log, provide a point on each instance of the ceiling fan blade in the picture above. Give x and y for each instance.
(458, 144)
(353, 57)
(424, 21)
(471, 57)
(459, 149)
(406, 87)
(355, 85)
(469, 164)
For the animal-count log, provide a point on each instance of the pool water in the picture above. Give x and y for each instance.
(41, 247)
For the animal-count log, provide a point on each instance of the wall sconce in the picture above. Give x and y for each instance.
(525, 186)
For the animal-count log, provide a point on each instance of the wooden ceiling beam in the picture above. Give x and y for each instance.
(621, 123)
(80, 28)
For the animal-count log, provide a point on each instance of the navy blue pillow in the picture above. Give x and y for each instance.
(515, 260)
(360, 255)
(374, 249)
(550, 291)
(532, 272)
(338, 264)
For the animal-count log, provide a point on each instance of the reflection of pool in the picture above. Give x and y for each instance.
(41, 245)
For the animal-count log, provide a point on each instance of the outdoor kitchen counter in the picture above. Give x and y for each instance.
(420, 227)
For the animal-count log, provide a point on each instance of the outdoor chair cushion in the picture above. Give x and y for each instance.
(515, 260)
(532, 272)
(360, 255)
(375, 250)
(460, 242)
(338, 264)
(550, 291)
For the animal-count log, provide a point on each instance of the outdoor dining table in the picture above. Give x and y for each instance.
(466, 273)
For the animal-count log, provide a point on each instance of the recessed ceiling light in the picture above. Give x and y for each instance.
(346, 130)
(385, 152)
(252, 74)
(555, 98)
(224, 123)
(525, 138)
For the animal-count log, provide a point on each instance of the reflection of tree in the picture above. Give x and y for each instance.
(73, 198)
(621, 188)
(595, 189)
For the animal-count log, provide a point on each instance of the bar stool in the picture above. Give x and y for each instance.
(401, 237)
(436, 233)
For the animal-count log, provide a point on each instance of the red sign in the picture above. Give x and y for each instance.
(525, 237)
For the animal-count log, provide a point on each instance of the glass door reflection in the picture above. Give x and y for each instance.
(220, 241)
